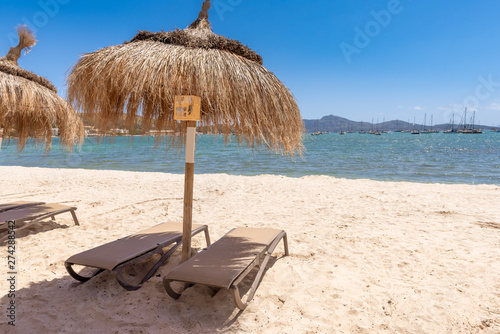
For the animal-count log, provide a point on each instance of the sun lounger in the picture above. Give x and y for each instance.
(17, 205)
(122, 253)
(228, 261)
(35, 213)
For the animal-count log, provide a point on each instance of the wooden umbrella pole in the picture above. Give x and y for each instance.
(188, 190)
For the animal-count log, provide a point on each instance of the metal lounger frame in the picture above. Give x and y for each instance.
(260, 261)
(118, 270)
(50, 214)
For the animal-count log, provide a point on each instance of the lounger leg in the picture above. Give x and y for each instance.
(207, 237)
(76, 276)
(73, 213)
(285, 244)
(160, 262)
(203, 228)
(170, 291)
(263, 264)
(237, 299)
(159, 250)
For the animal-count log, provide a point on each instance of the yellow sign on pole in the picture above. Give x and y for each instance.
(187, 108)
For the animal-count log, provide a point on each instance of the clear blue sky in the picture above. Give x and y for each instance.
(363, 60)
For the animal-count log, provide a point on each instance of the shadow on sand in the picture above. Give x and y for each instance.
(101, 305)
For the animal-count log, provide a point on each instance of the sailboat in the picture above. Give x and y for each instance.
(414, 131)
(472, 130)
(384, 130)
(452, 129)
(375, 132)
(425, 130)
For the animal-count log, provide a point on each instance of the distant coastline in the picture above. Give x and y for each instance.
(332, 123)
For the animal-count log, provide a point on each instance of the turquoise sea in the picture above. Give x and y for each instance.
(426, 158)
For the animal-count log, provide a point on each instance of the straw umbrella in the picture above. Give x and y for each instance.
(29, 104)
(138, 81)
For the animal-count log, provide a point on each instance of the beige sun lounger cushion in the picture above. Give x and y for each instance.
(17, 205)
(118, 254)
(226, 263)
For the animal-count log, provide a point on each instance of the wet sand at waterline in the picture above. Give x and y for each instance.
(365, 256)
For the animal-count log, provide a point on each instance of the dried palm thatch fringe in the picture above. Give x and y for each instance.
(29, 104)
(141, 78)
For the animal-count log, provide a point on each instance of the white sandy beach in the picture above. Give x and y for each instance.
(365, 256)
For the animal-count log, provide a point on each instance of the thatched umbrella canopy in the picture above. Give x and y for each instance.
(137, 82)
(29, 104)
(238, 95)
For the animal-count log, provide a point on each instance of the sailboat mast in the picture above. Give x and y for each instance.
(465, 118)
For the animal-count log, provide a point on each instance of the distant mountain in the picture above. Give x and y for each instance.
(333, 123)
